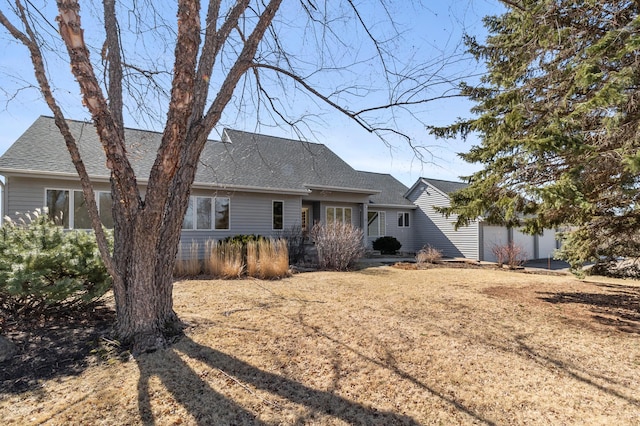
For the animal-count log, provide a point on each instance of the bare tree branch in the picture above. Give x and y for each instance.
(30, 41)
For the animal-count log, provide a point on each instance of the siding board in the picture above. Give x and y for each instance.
(438, 231)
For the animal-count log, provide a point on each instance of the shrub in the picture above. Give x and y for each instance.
(339, 245)
(387, 245)
(243, 239)
(617, 268)
(428, 254)
(43, 267)
(510, 254)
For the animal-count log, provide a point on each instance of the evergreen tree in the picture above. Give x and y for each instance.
(557, 115)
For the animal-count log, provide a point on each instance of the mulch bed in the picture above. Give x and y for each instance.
(60, 344)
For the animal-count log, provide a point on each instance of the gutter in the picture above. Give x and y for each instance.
(393, 206)
(343, 189)
(198, 185)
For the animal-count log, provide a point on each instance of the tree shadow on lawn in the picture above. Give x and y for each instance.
(619, 307)
(208, 406)
(54, 346)
(390, 363)
(572, 371)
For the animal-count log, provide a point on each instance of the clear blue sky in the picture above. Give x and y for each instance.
(433, 30)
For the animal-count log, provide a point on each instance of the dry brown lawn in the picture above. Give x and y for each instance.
(378, 346)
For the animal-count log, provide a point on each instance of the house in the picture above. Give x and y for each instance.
(475, 241)
(245, 184)
(248, 183)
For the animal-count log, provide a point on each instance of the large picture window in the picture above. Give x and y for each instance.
(69, 208)
(338, 215)
(278, 215)
(201, 215)
(376, 224)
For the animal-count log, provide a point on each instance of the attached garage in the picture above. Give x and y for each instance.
(493, 236)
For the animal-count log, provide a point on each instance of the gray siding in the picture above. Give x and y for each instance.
(249, 213)
(406, 235)
(436, 230)
(27, 194)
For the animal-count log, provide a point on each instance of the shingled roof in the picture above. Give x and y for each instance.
(445, 186)
(391, 190)
(242, 160)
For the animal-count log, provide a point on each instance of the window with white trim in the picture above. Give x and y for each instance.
(71, 212)
(403, 220)
(338, 215)
(200, 214)
(376, 223)
(222, 213)
(278, 215)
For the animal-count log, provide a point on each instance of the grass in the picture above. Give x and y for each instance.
(188, 265)
(378, 346)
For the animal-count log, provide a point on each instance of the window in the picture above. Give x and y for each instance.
(338, 214)
(105, 207)
(376, 224)
(199, 213)
(222, 213)
(403, 220)
(203, 213)
(187, 222)
(278, 215)
(80, 212)
(58, 206)
(71, 211)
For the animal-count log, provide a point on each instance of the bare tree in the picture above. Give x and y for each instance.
(239, 43)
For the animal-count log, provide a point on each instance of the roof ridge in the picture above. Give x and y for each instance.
(275, 137)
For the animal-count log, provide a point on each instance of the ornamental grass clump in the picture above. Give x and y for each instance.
(188, 265)
(428, 254)
(273, 258)
(223, 260)
(44, 268)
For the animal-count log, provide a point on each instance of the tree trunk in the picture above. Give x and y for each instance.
(146, 319)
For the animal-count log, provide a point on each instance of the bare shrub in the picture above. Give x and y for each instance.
(428, 254)
(273, 258)
(188, 265)
(511, 254)
(339, 245)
